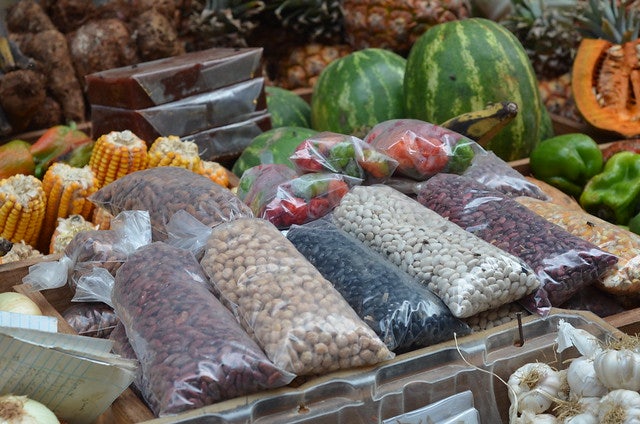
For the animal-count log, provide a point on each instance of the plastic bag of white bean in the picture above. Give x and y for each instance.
(164, 190)
(404, 313)
(299, 319)
(563, 262)
(192, 350)
(467, 273)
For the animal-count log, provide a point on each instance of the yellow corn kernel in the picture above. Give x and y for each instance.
(66, 230)
(22, 208)
(173, 151)
(67, 189)
(101, 218)
(117, 154)
(215, 172)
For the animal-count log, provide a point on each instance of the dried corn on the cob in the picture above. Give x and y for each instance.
(117, 154)
(66, 230)
(66, 189)
(22, 208)
(215, 172)
(19, 252)
(101, 218)
(173, 151)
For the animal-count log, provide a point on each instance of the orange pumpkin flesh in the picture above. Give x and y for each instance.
(606, 85)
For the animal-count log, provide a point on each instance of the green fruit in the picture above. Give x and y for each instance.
(634, 224)
(461, 66)
(287, 108)
(357, 91)
(272, 146)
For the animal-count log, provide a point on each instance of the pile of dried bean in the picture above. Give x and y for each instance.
(165, 190)
(191, 349)
(467, 273)
(404, 313)
(300, 320)
(564, 263)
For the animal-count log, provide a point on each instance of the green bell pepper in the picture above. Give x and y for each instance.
(614, 194)
(566, 162)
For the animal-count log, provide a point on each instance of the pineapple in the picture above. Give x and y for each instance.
(548, 35)
(305, 63)
(396, 24)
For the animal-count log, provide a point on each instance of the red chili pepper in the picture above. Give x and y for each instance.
(15, 158)
(632, 145)
(56, 142)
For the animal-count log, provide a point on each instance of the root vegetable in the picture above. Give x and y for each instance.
(21, 93)
(27, 16)
(18, 303)
(22, 410)
(156, 37)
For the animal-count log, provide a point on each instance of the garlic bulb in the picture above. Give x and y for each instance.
(582, 379)
(23, 410)
(618, 369)
(620, 407)
(533, 387)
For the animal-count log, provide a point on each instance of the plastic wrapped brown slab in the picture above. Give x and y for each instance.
(226, 105)
(165, 80)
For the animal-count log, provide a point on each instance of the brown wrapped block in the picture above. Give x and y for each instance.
(227, 105)
(166, 80)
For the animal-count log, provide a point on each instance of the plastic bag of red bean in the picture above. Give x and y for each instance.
(191, 349)
(497, 174)
(164, 190)
(563, 262)
(298, 318)
(404, 313)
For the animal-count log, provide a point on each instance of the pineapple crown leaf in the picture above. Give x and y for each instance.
(609, 21)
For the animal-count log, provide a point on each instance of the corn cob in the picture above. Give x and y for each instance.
(215, 172)
(22, 208)
(101, 218)
(67, 190)
(19, 252)
(117, 154)
(66, 230)
(173, 151)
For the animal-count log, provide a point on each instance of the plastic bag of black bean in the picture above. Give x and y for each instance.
(495, 173)
(191, 349)
(298, 318)
(467, 273)
(563, 262)
(164, 190)
(404, 313)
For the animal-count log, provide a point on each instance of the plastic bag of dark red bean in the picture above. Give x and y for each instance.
(164, 190)
(404, 313)
(191, 349)
(563, 262)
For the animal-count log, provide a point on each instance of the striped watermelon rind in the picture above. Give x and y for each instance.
(461, 66)
(272, 146)
(357, 91)
(287, 108)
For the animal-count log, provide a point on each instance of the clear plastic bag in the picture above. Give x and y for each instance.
(422, 149)
(90, 250)
(497, 174)
(282, 197)
(91, 319)
(404, 313)
(166, 189)
(343, 154)
(563, 262)
(623, 277)
(469, 274)
(191, 349)
(298, 318)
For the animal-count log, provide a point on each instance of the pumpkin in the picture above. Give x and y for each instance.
(606, 85)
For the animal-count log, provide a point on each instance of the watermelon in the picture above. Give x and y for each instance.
(272, 146)
(287, 108)
(357, 91)
(461, 66)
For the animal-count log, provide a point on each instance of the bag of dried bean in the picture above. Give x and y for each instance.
(622, 278)
(404, 313)
(191, 349)
(467, 273)
(299, 319)
(166, 189)
(91, 319)
(92, 249)
(497, 174)
(563, 262)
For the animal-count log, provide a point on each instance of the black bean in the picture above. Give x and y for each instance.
(404, 313)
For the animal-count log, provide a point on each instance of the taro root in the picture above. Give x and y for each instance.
(156, 37)
(21, 93)
(27, 16)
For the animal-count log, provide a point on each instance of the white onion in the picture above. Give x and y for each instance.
(18, 303)
(23, 410)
